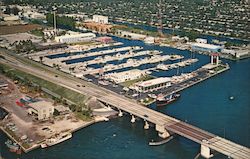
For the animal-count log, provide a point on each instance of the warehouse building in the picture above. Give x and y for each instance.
(125, 76)
(74, 38)
(206, 47)
(41, 110)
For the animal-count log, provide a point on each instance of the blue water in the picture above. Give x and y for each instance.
(205, 105)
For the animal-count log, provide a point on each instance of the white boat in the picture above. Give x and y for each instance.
(152, 96)
(56, 140)
(104, 83)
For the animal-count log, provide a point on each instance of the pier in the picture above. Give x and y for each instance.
(164, 124)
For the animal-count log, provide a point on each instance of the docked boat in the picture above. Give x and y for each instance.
(162, 101)
(153, 143)
(14, 147)
(56, 140)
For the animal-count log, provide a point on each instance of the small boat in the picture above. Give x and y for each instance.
(152, 96)
(162, 101)
(56, 140)
(152, 143)
(14, 147)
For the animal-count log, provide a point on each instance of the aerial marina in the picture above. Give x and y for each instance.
(73, 83)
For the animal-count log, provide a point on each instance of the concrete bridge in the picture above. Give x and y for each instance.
(164, 123)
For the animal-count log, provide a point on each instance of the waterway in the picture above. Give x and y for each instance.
(206, 105)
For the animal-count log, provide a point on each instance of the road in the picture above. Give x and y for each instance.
(129, 105)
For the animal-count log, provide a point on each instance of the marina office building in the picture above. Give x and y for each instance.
(125, 76)
(153, 85)
(74, 38)
(206, 47)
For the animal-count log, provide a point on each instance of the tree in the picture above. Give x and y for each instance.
(41, 59)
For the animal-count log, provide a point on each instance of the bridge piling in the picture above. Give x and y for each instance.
(120, 113)
(132, 119)
(162, 132)
(146, 126)
(205, 151)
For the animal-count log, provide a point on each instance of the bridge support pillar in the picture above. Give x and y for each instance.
(120, 113)
(162, 132)
(132, 119)
(146, 126)
(205, 151)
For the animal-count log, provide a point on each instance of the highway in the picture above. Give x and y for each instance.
(214, 142)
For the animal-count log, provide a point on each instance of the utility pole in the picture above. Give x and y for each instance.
(54, 10)
(160, 26)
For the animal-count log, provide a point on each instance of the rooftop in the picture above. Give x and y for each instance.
(209, 46)
(40, 105)
(77, 35)
(154, 82)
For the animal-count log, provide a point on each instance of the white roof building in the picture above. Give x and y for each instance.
(42, 109)
(153, 85)
(74, 38)
(206, 47)
(100, 19)
(126, 75)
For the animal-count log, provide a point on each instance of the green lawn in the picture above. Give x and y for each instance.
(37, 32)
(131, 82)
(64, 92)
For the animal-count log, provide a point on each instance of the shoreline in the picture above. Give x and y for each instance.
(192, 84)
(35, 146)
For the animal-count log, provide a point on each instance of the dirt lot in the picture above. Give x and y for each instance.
(24, 123)
(18, 28)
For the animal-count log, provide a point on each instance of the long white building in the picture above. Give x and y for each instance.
(125, 76)
(100, 19)
(75, 38)
(153, 85)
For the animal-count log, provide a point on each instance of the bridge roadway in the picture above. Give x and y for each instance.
(214, 142)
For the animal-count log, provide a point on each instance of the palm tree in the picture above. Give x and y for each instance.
(41, 59)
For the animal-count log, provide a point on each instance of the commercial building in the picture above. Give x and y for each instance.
(206, 47)
(153, 85)
(100, 19)
(75, 38)
(11, 18)
(125, 76)
(41, 109)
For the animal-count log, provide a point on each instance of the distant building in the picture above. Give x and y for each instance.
(75, 38)
(11, 18)
(41, 109)
(153, 85)
(125, 76)
(100, 19)
(206, 47)
(104, 39)
(200, 40)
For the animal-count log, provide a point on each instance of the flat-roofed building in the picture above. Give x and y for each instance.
(41, 109)
(74, 38)
(206, 47)
(153, 85)
(100, 19)
(126, 75)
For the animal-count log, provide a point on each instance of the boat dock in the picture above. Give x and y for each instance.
(176, 65)
(202, 75)
(129, 63)
(71, 49)
(164, 124)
